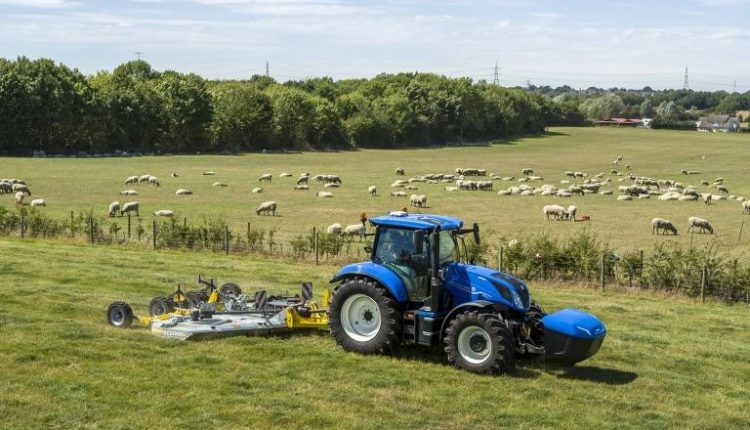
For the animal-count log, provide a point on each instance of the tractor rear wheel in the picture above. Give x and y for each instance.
(230, 289)
(479, 342)
(160, 306)
(119, 314)
(362, 318)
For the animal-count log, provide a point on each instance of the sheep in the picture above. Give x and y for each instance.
(325, 194)
(398, 194)
(648, 196)
(218, 184)
(706, 183)
(605, 192)
(131, 180)
(265, 177)
(556, 211)
(572, 211)
(355, 230)
(183, 192)
(128, 193)
(527, 171)
(418, 200)
(19, 198)
(624, 198)
(303, 180)
(257, 190)
(722, 189)
(499, 193)
(131, 207)
(372, 190)
(285, 175)
(451, 189)
(564, 193)
(334, 229)
(164, 212)
(399, 184)
(114, 208)
(143, 179)
(702, 224)
(153, 180)
(663, 225)
(6, 187)
(175, 175)
(38, 202)
(331, 185)
(301, 187)
(399, 171)
(267, 208)
(746, 207)
(209, 173)
(16, 188)
(707, 198)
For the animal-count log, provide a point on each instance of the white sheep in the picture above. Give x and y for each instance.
(131, 180)
(218, 184)
(267, 208)
(164, 212)
(527, 171)
(38, 202)
(265, 177)
(400, 171)
(19, 198)
(418, 200)
(153, 180)
(398, 194)
(128, 193)
(301, 187)
(325, 194)
(451, 189)
(285, 175)
(114, 208)
(355, 230)
(143, 179)
(257, 190)
(175, 175)
(702, 224)
(663, 225)
(331, 185)
(22, 188)
(334, 229)
(746, 207)
(624, 198)
(556, 211)
(572, 211)
(209, 173)
(131, 207)
(372, 190)
(183, 192)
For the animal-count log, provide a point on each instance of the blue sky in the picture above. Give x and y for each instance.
(580, 43)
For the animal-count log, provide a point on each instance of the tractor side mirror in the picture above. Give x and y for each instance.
(476, 233)
(419, 236)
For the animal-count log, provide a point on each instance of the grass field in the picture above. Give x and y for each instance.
(667, 362)
(86, 184)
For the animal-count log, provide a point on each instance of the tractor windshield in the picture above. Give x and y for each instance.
(447, 247)
(396, 249)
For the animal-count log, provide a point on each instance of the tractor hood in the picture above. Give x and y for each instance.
(482, 283)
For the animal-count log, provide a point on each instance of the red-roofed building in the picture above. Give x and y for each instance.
(621, 122)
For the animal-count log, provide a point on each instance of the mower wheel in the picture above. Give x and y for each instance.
(230, 289)
(362, 318)
(479, 342)
(194, 298)
(119, 314)
(160, 306)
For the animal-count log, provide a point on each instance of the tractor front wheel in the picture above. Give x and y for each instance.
(479, 342)
(362, 318)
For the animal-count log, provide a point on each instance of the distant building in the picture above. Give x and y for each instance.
(621, 122)
(718, 123)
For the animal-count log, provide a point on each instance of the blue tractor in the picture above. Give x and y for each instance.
(416, 290)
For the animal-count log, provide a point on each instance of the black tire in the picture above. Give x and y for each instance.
(195, 298)
(489, 340)
(120, 315)
(353, 292)
(160, 306)
(230, 289)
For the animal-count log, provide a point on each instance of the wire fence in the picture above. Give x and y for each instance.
(700, 272)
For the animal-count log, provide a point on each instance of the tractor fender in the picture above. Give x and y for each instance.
(476, 304)
(376, 272)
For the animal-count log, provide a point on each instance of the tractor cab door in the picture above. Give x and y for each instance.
(397, 249)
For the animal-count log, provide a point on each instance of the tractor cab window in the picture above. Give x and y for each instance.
(447, 247)
(396, 248)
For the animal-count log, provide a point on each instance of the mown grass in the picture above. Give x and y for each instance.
(668, 362)
(91, 184)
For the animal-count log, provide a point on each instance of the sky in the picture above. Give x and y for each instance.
(547, 42)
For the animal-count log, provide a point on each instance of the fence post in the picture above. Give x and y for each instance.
(317, 246)
(128, 225)
(739, 236)
(226, 239)
(153, 233)
(23, 226)
(500, 259)
(601, 271)
(71, 224)
(704, 280)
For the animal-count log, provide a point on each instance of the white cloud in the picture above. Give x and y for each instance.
(42, 4)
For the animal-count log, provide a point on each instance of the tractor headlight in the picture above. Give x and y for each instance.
(508, 294)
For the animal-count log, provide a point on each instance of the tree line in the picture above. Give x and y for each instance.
(50, 107)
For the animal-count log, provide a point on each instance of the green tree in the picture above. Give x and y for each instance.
(242, 118)
(186, 112)
(603, 107)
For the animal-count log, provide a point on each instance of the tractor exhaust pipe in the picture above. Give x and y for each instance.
(436, 284)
